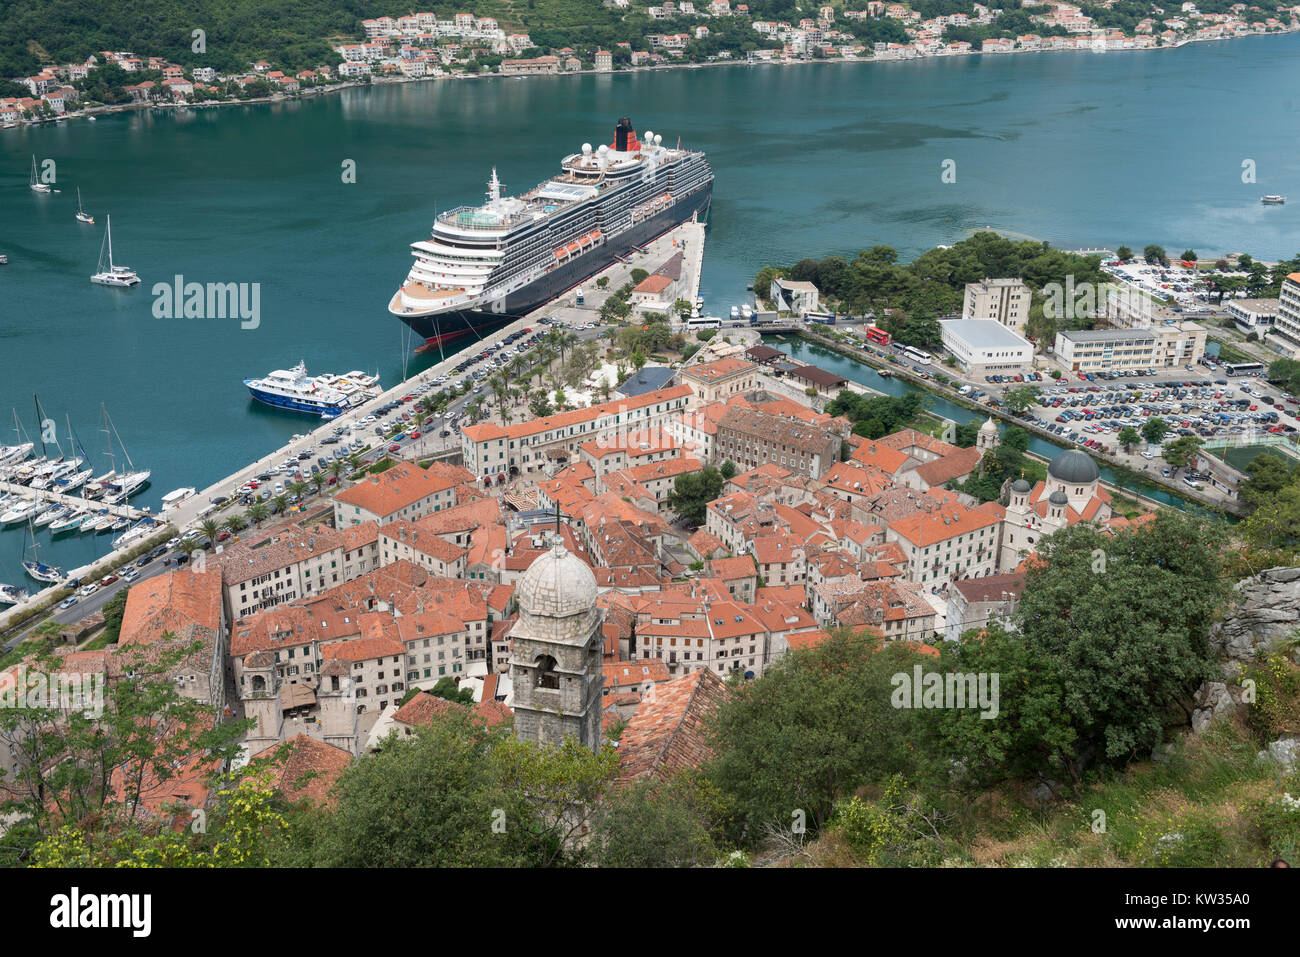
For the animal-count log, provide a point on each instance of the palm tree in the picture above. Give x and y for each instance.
(210, 527)
(189, 546)
(336, 468)
(318, 481)
(297, 487)
(354, 460)
(419, 417)
(257, 512)
(280, 503)
(234, 523)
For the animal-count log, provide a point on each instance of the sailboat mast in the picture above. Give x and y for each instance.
(130, 466)
(108, 440)
(40, 423)
(108, 228)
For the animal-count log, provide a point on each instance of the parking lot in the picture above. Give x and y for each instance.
(1090, 410)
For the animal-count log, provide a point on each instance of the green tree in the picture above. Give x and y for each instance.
(1119, 620)
(1123, 254)
(817, 725)
(448, 689)
(653, 823)
(692, 492)
(1189, 255)
(1021, 398)
(1155, 255)
(1154, 429)
(1181, 452)
(1128, 437)
(728, 470)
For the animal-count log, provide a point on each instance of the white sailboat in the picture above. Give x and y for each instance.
(113, 275)
(82, 215)
(42, 572)
(36, 184)
(122, 486)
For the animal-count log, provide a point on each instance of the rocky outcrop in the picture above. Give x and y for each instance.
(1285, 752)
(1265, 612)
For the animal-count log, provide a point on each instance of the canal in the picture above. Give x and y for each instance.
(856, 371)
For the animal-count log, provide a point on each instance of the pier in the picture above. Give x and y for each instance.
(30, 494)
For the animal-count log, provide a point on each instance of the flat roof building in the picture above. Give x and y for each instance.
(1167, 345)
(986, 346)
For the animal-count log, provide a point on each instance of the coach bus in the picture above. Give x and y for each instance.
(1243, 368)
(916, 355)
(704, 322)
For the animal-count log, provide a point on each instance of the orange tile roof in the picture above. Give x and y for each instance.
(363, 649)
(179, 602)
(394, 489)
(718, 369)
(669, 734)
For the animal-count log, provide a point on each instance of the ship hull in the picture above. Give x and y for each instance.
(295, 405)
(437, 329)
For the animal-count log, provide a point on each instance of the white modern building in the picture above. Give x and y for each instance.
(1166, 346)
(1286, 330)
(986, 347)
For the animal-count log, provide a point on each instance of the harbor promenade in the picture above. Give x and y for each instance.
(561, 311)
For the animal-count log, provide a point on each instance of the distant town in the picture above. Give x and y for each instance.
(422, 46)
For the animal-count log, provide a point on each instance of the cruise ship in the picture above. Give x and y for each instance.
(298, 391)
(493, 263)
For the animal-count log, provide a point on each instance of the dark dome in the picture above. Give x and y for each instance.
(1058, 498)
(1073, 467)
(1020, 486)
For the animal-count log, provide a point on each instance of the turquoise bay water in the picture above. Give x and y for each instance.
(1076, 148)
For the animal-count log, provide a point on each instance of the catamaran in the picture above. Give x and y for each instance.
(113, 275)
(82, 215)
(36, 184)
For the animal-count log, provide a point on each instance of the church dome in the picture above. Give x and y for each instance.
(558, 584)
(1058, 498)
(557, 600)
(989, 426)
(1073, 467)
(1020, 486)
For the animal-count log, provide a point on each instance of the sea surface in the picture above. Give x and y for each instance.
(1080, 149)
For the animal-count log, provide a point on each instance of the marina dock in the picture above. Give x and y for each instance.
(76, 501)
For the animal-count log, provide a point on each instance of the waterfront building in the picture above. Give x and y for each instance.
(604, 61)
(492, 450)
(789, 295)
(986, 346)
(718, 381)
(404, 491)
(541, 64)
(1253, 315)
(1005, 301)
(1286, 330)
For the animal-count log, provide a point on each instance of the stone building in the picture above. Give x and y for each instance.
(556, 647)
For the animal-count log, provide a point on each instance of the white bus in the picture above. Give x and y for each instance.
(916, 355)
(704, 322)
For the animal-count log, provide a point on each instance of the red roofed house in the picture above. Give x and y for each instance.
(669, 734)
